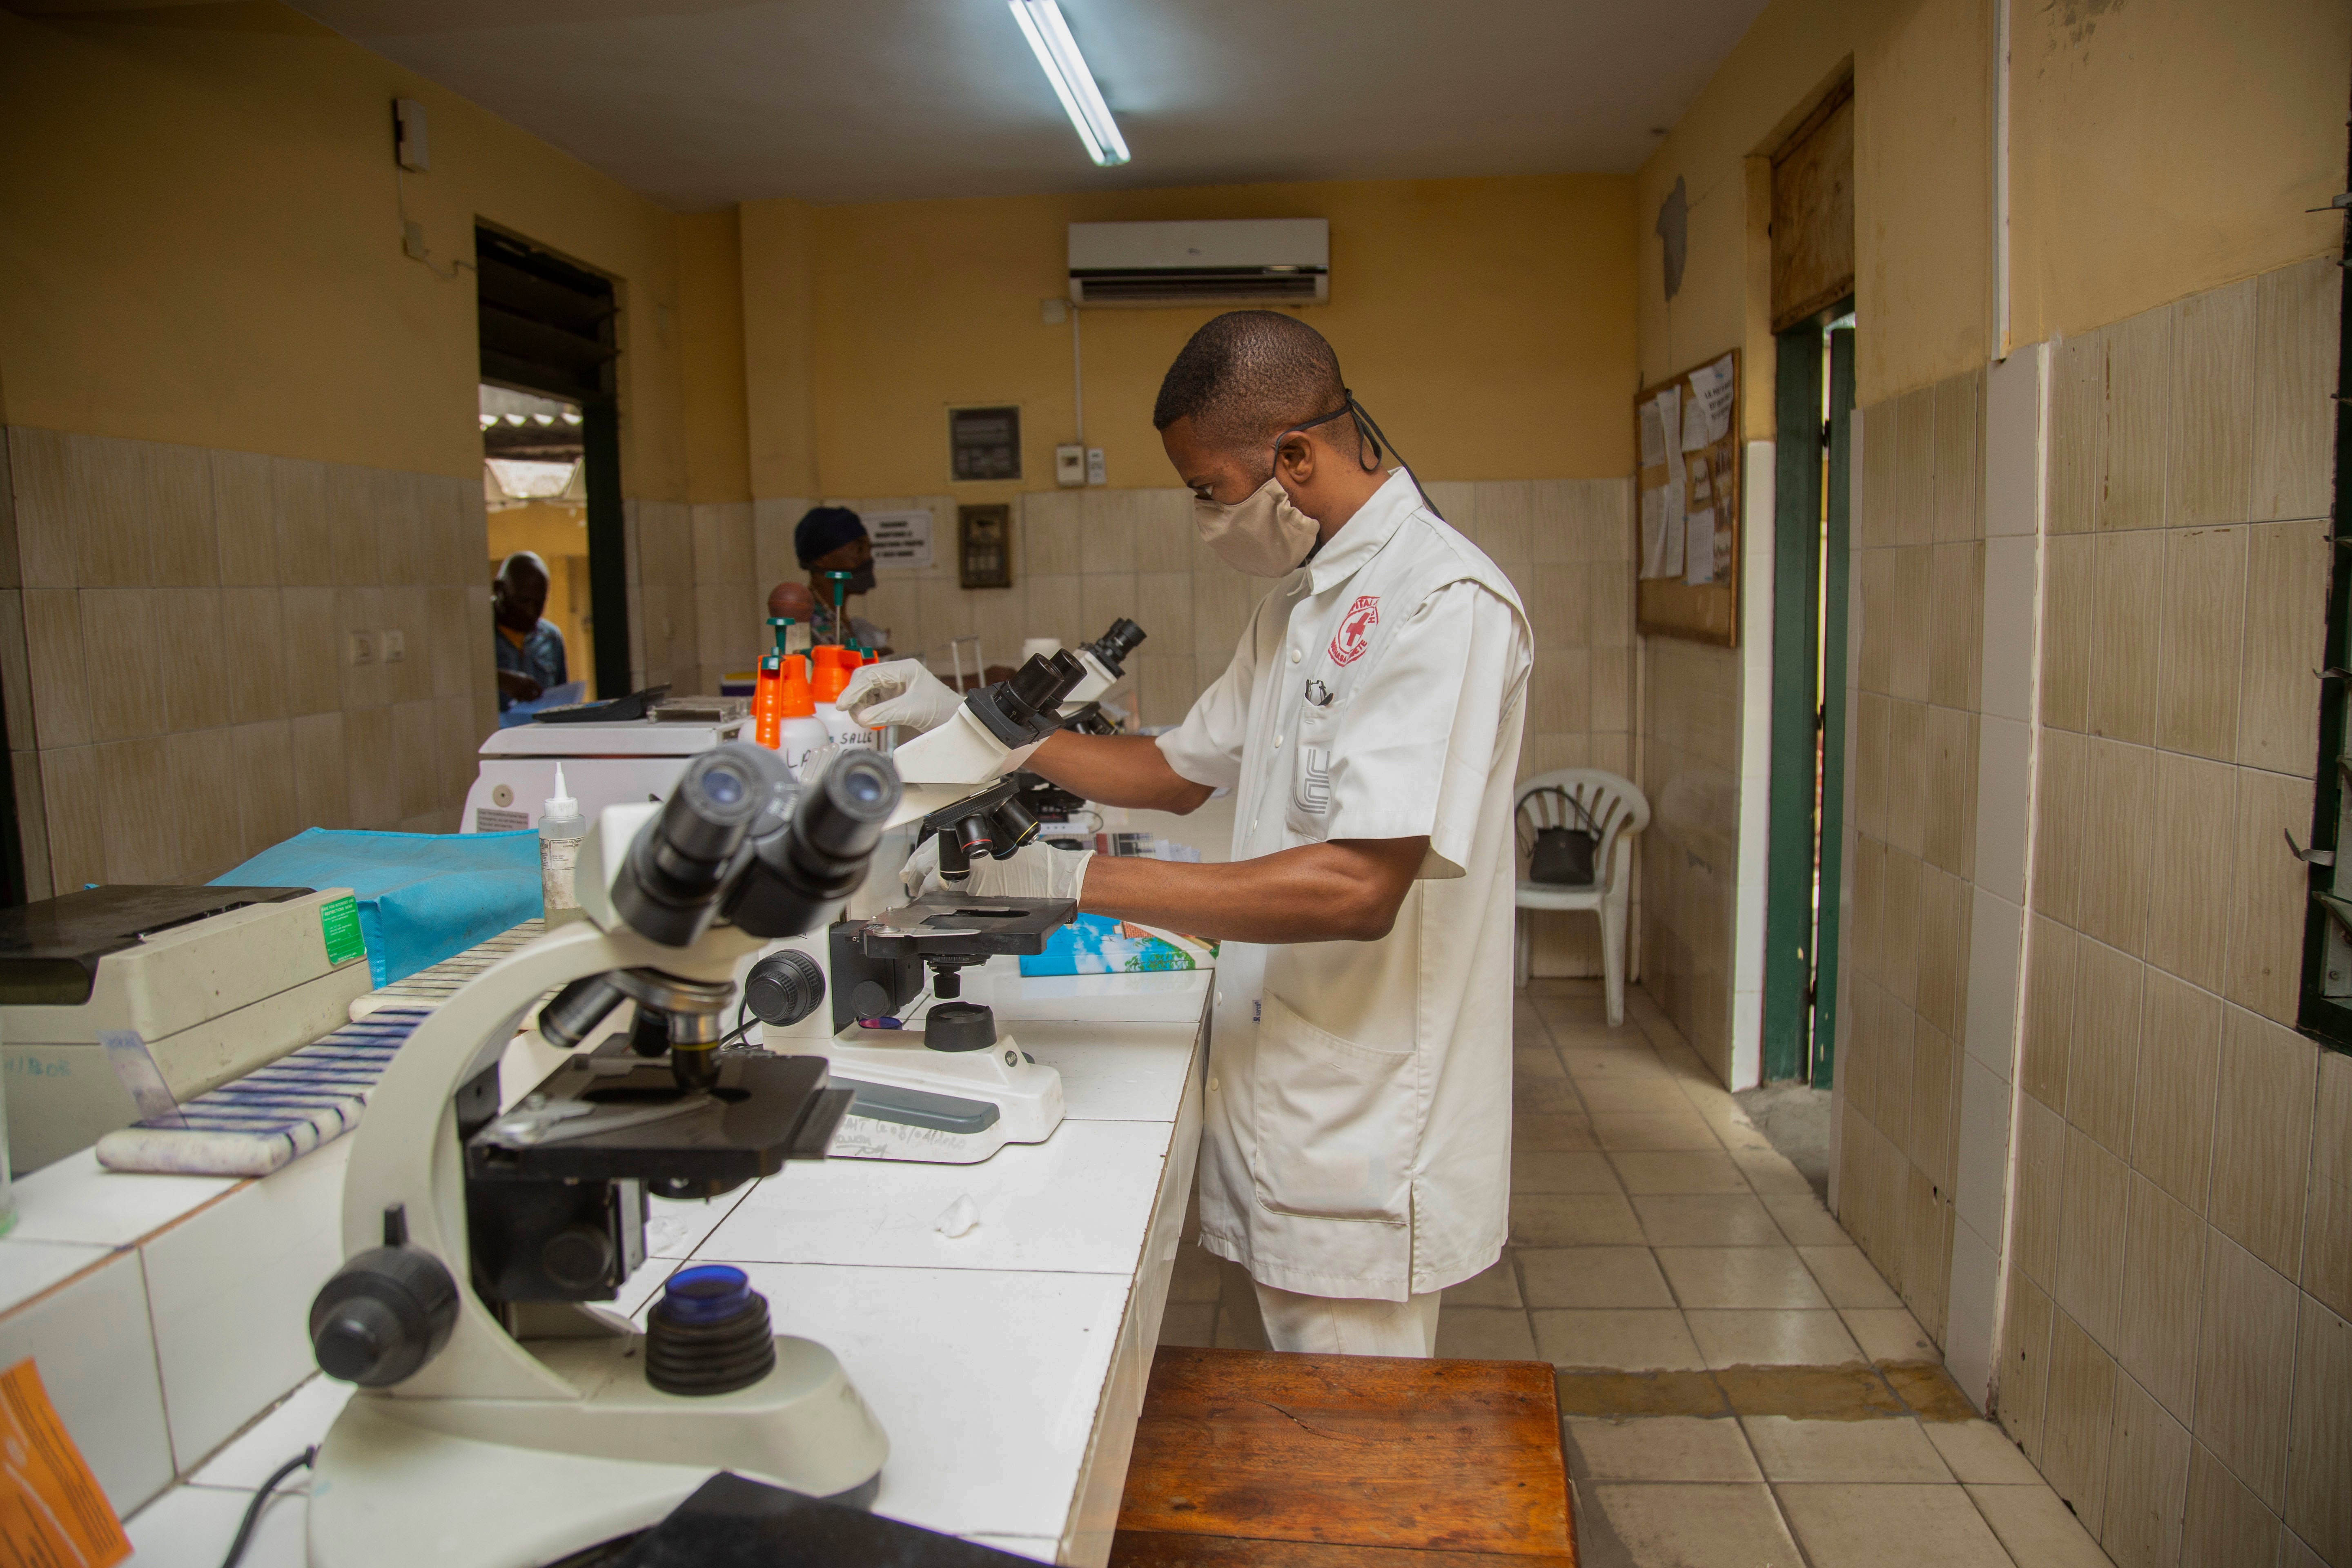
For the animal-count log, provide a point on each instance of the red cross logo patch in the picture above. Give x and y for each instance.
(1355, 633)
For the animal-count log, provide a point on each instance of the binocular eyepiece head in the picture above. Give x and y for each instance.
(738, 837)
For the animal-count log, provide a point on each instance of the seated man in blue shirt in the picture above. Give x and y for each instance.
(529, 650)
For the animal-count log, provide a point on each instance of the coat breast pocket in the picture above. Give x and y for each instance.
(1336, 1123)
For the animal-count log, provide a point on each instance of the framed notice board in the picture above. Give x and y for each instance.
(1688, 487)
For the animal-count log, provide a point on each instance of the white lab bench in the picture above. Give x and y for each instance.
(1007, 1364)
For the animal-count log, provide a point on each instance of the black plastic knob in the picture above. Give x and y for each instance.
(382, 1316)
(784, 987)
(578, 1258)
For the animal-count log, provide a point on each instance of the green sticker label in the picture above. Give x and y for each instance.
(339, 922)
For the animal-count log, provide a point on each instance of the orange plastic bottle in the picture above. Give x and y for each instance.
(831, 674)
(799, 731)
(767, 712)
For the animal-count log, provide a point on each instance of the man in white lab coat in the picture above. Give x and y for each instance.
(1355, 1151)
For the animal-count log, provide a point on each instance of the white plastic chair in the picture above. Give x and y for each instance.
(1619, 811)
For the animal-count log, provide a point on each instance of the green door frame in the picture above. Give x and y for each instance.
(1837, 565)
(1799, 1035)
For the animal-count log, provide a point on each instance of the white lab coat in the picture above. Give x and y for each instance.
(1357, 1135)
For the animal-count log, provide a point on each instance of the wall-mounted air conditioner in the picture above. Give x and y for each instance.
(1239, 261)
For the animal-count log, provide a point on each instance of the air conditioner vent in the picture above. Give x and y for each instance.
(1271, 261)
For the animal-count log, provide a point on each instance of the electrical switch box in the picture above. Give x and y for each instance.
(1097, 471)
(409, 144)
(1069, 464)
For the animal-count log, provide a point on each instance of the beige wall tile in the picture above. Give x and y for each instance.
(2140, 378)
(193, 656)
(2104, 1063)
(1106, 534)
(2296, 311)
(135, 787)
(2090, 1236)
(313, 655)
(1556, 530)
(321, 778)
(74, 814)
(202, 807)
(1873, 571)
(1935, 1103)
(2063, 810)
(55, 667)
(1906, 674)
(2046, 1039)
(1559, 693)
(2203, 634)
(2148, 1481)
(1899, 957)
(2212, 440)
(183, 545)
(253, 633)
(360, 610)
(1866, 948)
(1943, 952)
(450, 646)
(1907, 763)
(106, 487)
(2268, 894)
(2119, 811)
(1959, 413)
(416, 758)
(125, 660)
(48, 532)
(1558, 603)
(353, 498)
(1504, 525)
(306, 550)
(1875, 501)
(244, 518)
(1857, 1047)
(2069, 615)
(2164, 1276)
(1927, 1285)
(267, 811)
(1613, 689)
(2077, 1428)
(1164, 535)
(2124, 643)
(2245, 1356)
(1054, 610)
(2319, 1445)
(1948, 833)
(1868, 740)
(2261, 1138)
(16, 672)
(456, 748)
(1955, 625)
(32, 822)
(2041, 1192)
(2180, 1055)
(2078, 432)
(1102, 599)
(1167, 596)
(2286, 627)
(2189, 876)
(2327, 1228)
(448, 563)
(2224, 1524)
(371, 768)
(2022, 1380)
(1915, 468)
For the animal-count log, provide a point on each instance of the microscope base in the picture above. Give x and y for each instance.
(1025, 1094)
(514, 1483)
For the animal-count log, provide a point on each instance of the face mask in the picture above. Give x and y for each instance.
(862, 582)
(1264, 535)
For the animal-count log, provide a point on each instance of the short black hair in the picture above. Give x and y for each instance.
(1248, 375)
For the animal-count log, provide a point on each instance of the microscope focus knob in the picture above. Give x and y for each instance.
(784, 987)
(382, 1315)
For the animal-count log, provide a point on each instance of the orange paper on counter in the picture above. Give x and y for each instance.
(51, 1508)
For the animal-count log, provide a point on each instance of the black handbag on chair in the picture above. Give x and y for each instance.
(1563, 854)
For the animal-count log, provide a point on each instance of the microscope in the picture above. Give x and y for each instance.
(504, 1420)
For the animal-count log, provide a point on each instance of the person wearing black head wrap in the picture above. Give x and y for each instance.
(831, 538)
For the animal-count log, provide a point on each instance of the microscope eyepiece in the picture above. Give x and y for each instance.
(679, 867)
(818, 852)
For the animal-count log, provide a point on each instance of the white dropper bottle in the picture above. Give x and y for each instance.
(561, 829)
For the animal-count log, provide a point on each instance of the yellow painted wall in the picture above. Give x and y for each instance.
(2164, 147)
(710, 315)
(1486, 323)
(200, 243)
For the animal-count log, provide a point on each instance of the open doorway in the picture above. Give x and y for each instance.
(551, 471)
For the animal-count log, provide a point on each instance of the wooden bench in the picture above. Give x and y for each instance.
(1312, 1461)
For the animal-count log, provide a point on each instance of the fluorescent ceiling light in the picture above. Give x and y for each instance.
(1073, 84)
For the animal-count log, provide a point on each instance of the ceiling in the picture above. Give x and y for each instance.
(700, 103)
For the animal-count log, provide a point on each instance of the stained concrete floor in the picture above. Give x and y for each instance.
(1738, 1386)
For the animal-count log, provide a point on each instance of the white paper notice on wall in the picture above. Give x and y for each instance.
(1653, 533)
(1654, 437)
(1669, 405)
(902, 540)
(1700, 552)
(1711, 384)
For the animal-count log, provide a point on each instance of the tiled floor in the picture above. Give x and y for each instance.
(1739, 1385)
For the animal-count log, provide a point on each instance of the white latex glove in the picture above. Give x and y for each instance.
(900, 691)
(1039, 871)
